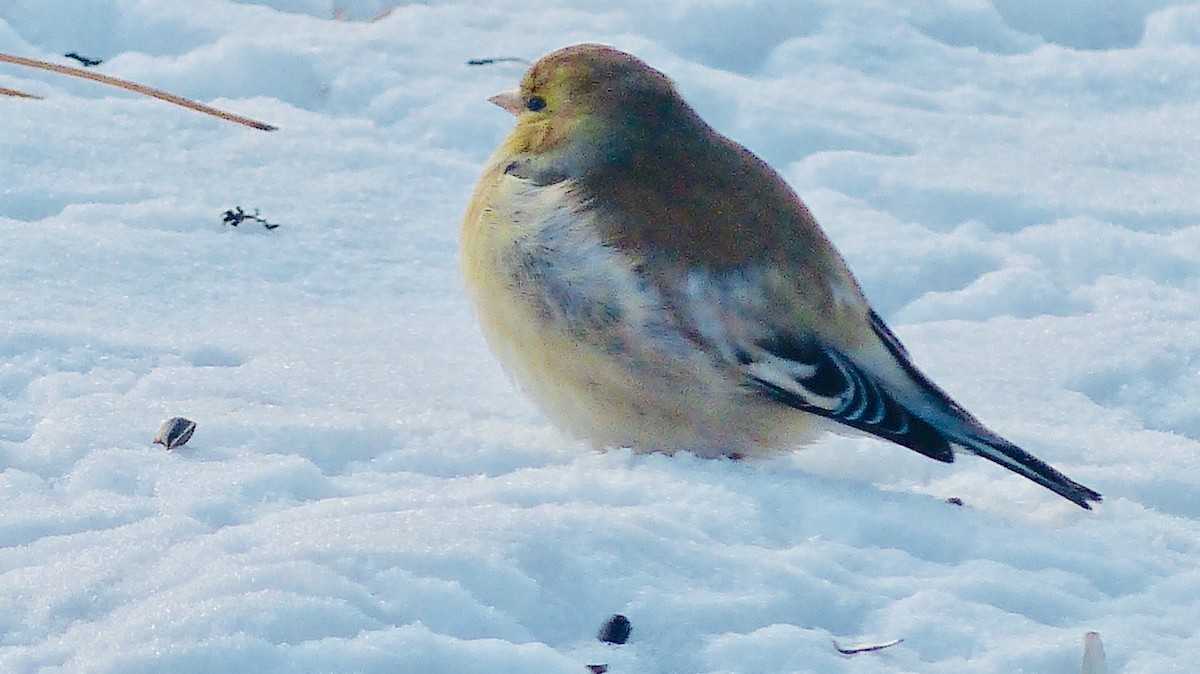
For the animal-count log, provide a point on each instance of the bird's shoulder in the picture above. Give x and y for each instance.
(704, 200)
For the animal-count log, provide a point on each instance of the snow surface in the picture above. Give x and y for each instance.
(1014, 181)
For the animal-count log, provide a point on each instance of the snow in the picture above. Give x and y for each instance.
(1014, 182)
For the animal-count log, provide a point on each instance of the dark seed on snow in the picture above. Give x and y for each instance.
(615, 630)
(175, 432)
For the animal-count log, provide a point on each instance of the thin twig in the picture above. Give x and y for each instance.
(497, 59)
(855, 650)
(83, 60)
(17, 93)
(130, 86)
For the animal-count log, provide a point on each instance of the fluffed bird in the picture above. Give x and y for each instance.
(653, 284)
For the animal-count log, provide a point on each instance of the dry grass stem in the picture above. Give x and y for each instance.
(131, 86)
(17, 93)
(855, 650)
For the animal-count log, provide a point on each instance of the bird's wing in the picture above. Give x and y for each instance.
(805, 373)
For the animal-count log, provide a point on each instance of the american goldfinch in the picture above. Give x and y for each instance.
(652, 284)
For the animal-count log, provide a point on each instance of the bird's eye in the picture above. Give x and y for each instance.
(535, 103)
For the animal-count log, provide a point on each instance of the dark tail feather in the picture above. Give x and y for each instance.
(977, 439)
(1019, 461)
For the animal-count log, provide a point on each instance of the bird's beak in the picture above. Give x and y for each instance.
(509, 100)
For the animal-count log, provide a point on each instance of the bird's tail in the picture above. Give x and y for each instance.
(964, 431)
(998, 450)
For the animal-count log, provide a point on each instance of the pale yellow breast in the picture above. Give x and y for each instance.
(583, 390)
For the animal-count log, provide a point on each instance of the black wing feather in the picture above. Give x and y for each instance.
(859, 400)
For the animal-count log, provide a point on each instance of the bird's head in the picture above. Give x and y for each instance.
(594, 102)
